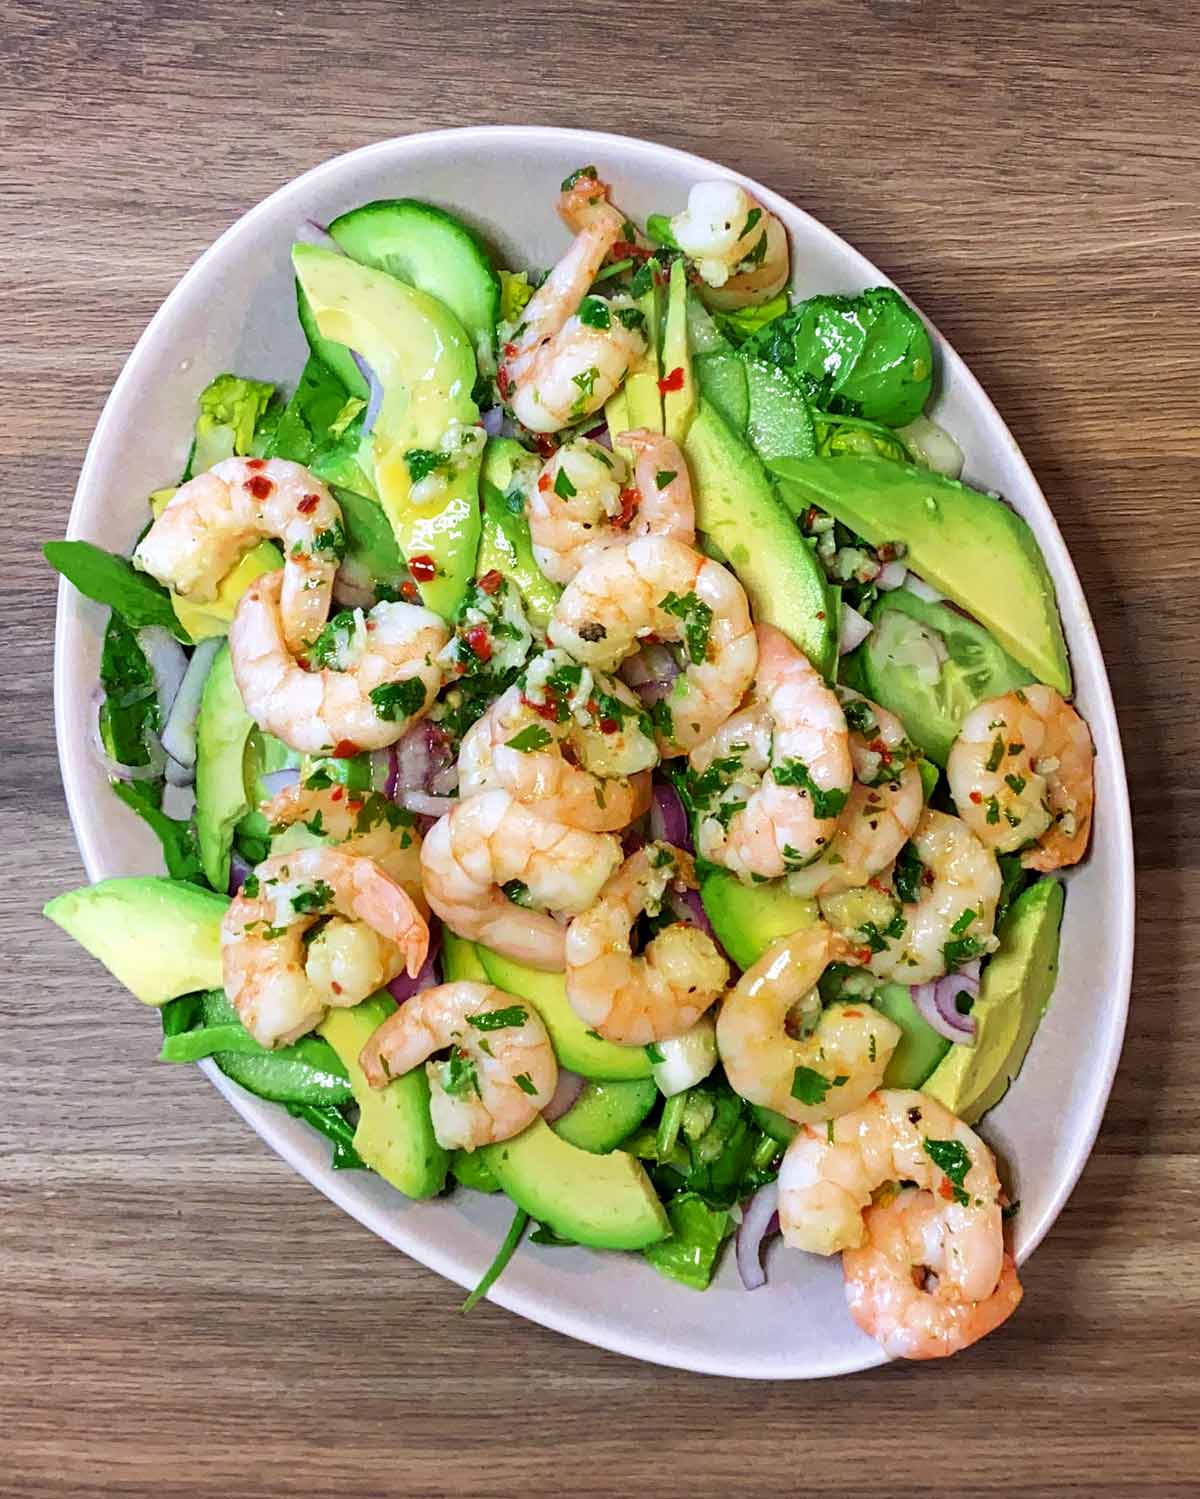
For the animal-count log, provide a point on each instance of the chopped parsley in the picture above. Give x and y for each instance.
(662, 718)
(398, 700)
(525, 1083)
(421, 462)
(586, 381)
(810, 1087)
(378, 809)
(459, 1076)
(304, 902)
(532, 737)
(517, 892)
(756, 255)
(964, 1001)
(632, 318)
(908, 873)
(577, 176)
(316, 824)
(952, 1160)
(664, 476)
(594, 313)
(563, 487)
(752, 218)
(795, 773)
(499, 1020)
(332, 641)
(1016, 784)
(960, 950)
(697, 620)
(993, 810)
(250, 887)
(876, 938)
(642, 279)
(655, 1054)
(860, 717)
(331, 539)
(997, 754)
(964, 921)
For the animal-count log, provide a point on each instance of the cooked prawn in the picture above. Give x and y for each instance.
(370, 826)
(490, 841)
(583, 499)
(824, 1074)
(210, 521)
(536, 756)
(501, 1072)
(828, 1176)
(1020, 771)
(635, 1000)
(737, 246)
(386, 674)
(660, 586)
(263, 958)
(885, 803)
(556, 367)
(783, 763)
(901, 1287)
(949, 923)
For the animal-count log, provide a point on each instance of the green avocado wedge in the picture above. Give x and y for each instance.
(606, 1201)
(425, 365)
(575, 1045)
(737, 507)
(1015, 990)
(504, 543)
(394, 1135)
(748, 918)
(160, 938)
(222, 729)
(971, 547)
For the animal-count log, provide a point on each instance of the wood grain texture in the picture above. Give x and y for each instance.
(1029, 174)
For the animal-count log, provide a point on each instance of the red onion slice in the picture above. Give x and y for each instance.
(375, 397)
(668, 819)
(239, 868)
(423, 760)
(402, 987)
(565, 1095)
(891, 575)
(492, 420)
(114, 768)
(276, 781)
(651, 672)
(936, 1003)
(923, 590)
(853, 629)
(179, 728)
(760, 1219)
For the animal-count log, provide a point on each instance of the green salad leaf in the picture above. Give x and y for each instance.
(689, 1254)
(328, 1119)
(181, 853)
(114, 581)
(739, 324)
(867, 356)
(505, 1253)
(231, 408)
(129, 712)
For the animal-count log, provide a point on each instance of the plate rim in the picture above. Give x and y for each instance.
(264, 1120)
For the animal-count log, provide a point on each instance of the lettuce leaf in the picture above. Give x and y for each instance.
(690, 1254)
(231, 408)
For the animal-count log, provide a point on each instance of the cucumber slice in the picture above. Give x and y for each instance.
(433, 251)
(912, 640)
(605, 1113)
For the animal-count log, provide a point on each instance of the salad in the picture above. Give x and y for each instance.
(602, 753)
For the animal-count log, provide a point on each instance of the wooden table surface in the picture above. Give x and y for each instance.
(180, 1313)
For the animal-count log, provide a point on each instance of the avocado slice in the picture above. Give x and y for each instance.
(779, 423)
(1015, 989)
(606, 1201)
(967, 544)
(738, 508)
(679, 406)
(425, 364)
(975, 668)
(642, 391)
(460, 960)
(748, 918)
(395, 1132)
(160, 938)
(504, 542)
(576, 1047)
(616, 416)
(222, 729)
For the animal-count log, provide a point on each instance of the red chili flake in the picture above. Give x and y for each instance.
(878, 885)
(852, 1014)
(308, 504)
(410, 591)
(337, 793)
(355, 804)
(503, 383)
(491, 581)
(863, 954)
(546, 444)
(810, 516)
(625, 249)
(609, 725)
(424, 569)
(256, 463)
(543, 482)
(630, 500)
(977, 797)
(820, 614)
(259, 486)
(510, 350)
(335, 986)
(479, 642)
(345, 749)
(945, 1189)
(673, 381)
(548, 709)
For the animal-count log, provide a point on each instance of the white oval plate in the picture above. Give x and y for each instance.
(234, 311)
